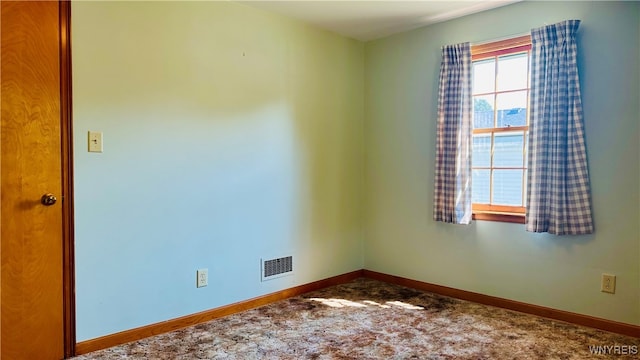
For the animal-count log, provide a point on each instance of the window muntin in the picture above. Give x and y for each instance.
(501, 86)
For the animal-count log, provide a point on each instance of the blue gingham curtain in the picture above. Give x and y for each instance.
(558, 195)
(452, 195)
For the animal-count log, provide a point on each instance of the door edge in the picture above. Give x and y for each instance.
(66, 128)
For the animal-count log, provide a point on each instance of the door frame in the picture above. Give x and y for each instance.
(66, 137)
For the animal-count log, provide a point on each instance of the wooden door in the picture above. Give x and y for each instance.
(32, 247)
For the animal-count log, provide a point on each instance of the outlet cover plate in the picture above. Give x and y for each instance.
(202, 278)
(608, 283)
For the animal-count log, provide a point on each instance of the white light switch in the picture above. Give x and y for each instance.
(95, 141)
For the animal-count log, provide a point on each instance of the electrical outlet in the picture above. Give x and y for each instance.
(608, 284)
(202, 278)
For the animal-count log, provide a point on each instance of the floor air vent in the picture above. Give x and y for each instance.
(276, 268)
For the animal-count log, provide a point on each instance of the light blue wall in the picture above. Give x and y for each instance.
(229, 135)
(232, 134)
(496, 258)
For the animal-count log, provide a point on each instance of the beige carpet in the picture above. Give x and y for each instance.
(367, 319)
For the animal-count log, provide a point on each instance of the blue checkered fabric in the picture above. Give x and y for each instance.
(452, 194)
(558, 194)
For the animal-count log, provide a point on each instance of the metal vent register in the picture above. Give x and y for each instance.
(275, 268)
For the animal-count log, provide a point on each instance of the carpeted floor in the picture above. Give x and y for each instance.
(367, 319)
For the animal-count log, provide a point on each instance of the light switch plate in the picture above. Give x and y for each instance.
(95, 141)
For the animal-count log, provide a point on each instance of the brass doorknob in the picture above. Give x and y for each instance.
(48, 199)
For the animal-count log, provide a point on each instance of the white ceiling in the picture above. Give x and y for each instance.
(367, 20)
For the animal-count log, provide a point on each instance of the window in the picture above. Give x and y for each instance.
(554, 133)
(501, 84)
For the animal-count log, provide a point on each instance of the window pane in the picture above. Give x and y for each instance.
(526, 149)
(508, 149)
(481, 150)
(524, 193)
(507, 187)
(480, 186)
(483, 112)
(484, 76)
(512, 109)
(512, 72)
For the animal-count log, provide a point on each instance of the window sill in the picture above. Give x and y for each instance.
(499, 216)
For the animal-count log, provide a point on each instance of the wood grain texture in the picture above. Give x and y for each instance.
(31, 241)
(189, 320)
(497, 48)
(510, 218)
(502, 213)
(579, 319)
